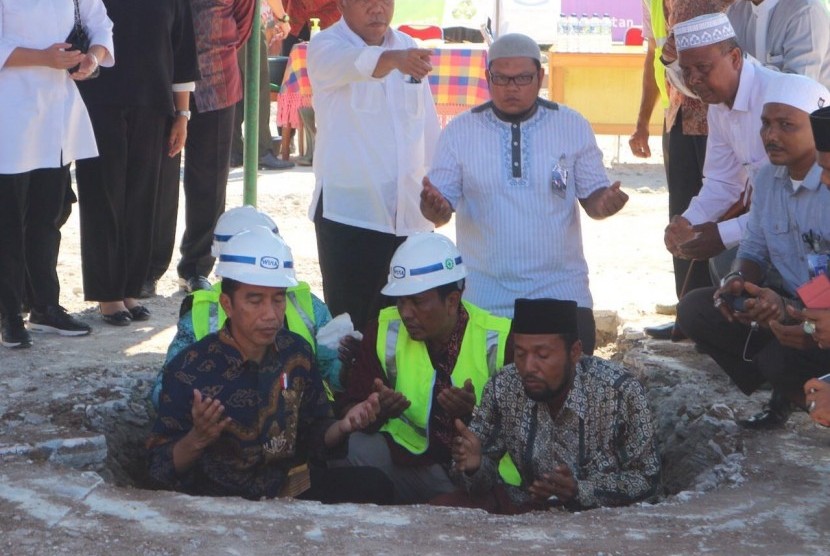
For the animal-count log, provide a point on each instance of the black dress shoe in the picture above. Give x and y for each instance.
(148, 289)
(662, 332)
(139, 313)
(119, 318)
(195, 283)
(775, 413)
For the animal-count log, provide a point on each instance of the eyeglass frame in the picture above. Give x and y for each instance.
(515, 79)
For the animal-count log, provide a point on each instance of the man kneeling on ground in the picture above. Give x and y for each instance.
(788, 228)
(578, 428)
(243, 411)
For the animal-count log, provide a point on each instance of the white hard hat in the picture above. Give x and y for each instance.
(235, 220)
(424, 261)
(257, 257)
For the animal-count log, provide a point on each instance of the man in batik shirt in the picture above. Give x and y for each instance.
(242, 412)
(578, 428)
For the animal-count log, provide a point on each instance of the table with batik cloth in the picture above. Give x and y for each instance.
(457, 81)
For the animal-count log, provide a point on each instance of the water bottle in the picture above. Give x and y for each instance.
(595, 33)
(562, 34)
(583, 36)
(573, 26)
(607, 32)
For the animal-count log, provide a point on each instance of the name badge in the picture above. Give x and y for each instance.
(559, 177)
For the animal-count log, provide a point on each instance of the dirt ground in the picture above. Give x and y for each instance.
(737, 492)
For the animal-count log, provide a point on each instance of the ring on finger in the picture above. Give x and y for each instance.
(809, 327)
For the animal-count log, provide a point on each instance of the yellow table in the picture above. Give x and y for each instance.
(604, 87)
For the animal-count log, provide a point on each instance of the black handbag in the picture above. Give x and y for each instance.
(79, 39)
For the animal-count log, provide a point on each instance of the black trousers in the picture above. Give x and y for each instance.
(683, 157)
(354, 263)
(206, 166)
(167, 212)
(264, 103)
(748, 359)
(360, 485)
(117, 197)
(31, 206)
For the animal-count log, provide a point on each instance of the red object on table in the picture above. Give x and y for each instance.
(422, 32)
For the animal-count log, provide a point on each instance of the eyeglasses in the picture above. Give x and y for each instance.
(520, 80)
(365, 3)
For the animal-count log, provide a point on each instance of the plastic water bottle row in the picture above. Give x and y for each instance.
(583, 33)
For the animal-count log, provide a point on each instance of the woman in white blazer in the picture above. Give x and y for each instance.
(44, 126)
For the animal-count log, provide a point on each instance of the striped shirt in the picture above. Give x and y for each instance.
(515, 188)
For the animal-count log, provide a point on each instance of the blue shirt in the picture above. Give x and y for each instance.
(779, 217)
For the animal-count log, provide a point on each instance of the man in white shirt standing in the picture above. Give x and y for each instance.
(516, 170)
(716, 70)
(377, 129)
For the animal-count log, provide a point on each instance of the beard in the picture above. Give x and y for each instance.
(548, 393)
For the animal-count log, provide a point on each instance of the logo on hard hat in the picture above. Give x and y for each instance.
(269, 262)
(449, 264)
(398, 272)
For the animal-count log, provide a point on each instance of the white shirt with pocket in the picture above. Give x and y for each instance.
(375, 136)
(43, 120)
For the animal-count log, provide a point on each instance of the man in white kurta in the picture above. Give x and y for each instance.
(377, 128)
(733, 86)
(515, 171)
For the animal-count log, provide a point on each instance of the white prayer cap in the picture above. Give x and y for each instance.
(797, 91)
(514, 45)
(702, 30)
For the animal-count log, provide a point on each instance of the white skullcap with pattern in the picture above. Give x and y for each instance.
(702, 30)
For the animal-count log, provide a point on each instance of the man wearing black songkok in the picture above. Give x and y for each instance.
(578, 428)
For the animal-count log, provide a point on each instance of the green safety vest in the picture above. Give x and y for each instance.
(658, 29)
(409, 370)
(208, 316)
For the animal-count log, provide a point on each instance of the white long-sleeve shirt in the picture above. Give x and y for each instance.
(375, 136)
(792, 36)
(43, 121)
(734, 152)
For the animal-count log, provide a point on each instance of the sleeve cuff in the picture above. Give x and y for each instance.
(367, 61)
(731, 231)
(694, 214)
(585, 497)
(188, 87)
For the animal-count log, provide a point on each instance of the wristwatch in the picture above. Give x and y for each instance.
(728, 278)
(284, 18)
(185, 113)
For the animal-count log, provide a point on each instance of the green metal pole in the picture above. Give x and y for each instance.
(251, 152)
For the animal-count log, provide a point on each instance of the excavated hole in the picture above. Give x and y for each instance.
(699, 440)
